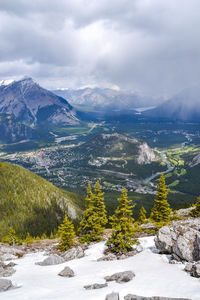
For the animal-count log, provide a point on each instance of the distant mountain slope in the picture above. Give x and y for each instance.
(12, 131)
(29, 203)
(105, 98)
(118, 145)
(34, 105)
(185, 106)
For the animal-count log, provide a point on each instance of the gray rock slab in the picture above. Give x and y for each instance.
(112, 296)
(66, 272)
(120, 277)
(95, 286)
(5, 285)
(53, 259)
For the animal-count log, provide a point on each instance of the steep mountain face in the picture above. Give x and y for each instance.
(185, 106)
(12, 131)
(118, 145)
(105, 98)
(29, 203)
(34, 105)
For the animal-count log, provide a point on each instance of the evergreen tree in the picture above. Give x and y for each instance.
(67, 234)
(122, 236)
(142, 215)
(11, 238)
(161, 210)
(94, 216)
(89, 197)
(29, 240)
(196, 211)
(99, 206)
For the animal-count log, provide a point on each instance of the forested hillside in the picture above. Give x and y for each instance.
(29, 203)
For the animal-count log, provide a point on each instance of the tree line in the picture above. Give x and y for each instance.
(94, 219)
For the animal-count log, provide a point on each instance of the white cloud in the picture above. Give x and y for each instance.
(147, 45)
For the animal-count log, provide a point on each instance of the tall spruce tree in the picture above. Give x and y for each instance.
(161, 210)
(142, 215)
(196, 211)
(94, 216)
(122, 236)
(67, 234)
(99, 206)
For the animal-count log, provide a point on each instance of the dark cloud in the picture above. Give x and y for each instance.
(151, 46)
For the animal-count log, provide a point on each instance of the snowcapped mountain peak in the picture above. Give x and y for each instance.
(30, 103)
(6, 82)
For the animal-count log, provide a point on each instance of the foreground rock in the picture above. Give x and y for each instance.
(6, 269)
(182, 239)
(95, 286)
(120, 277)
(8, 252)
(112, 296)
(76, 252)
(53, 259)
(193, 269)
(5, 285)
(66, 272)
(134, 297)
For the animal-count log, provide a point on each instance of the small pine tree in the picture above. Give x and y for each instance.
(29, 240)
(142, 215)
(94, 216)
(122, 236)
(11, 238)
(67, 235)
(196, 211)
(161, 210)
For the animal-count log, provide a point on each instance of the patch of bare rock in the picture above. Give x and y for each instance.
(95, 286)
(61, 257)
(181, 239)
(66, 272)
(120, 277)
(5, 285)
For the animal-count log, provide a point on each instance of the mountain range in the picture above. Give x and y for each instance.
(105, 98)
(185, 106)
(28, 102)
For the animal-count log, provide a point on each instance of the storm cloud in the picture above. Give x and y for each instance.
(149, 46)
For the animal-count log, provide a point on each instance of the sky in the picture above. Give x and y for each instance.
(148, 46)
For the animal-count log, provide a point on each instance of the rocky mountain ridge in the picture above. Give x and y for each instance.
(106, 98)
(34, 105)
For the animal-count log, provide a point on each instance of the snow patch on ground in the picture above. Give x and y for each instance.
(154, 276)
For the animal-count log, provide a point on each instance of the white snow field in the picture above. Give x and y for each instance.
(154, 277)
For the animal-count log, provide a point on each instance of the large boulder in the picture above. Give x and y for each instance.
(76, 252)
(5, 285)
(120, 277)
(66, 272)
(182, 239)
(95, 286)
(135, 297)
(53, 259)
